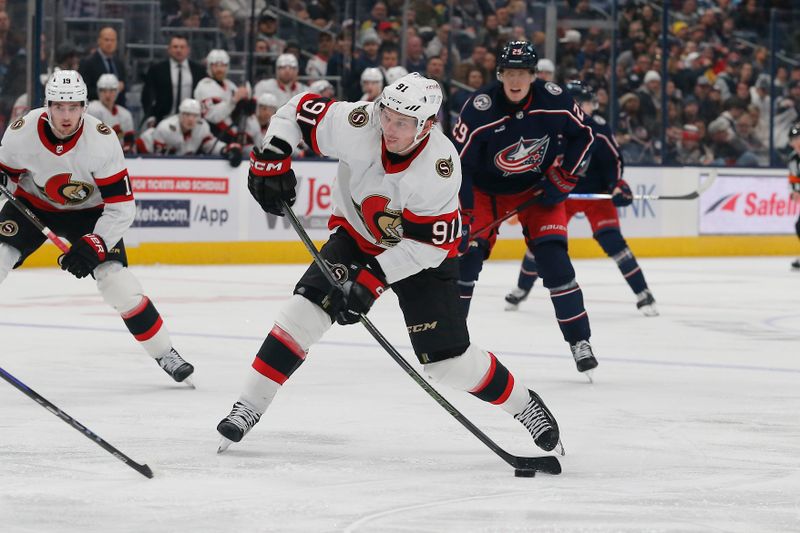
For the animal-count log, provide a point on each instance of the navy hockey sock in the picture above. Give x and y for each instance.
(527, 272)
(279, 356)
(616, 248)
(469, 265)
(570, 312)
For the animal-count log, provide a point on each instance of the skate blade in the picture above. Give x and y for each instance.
(223, 444)
(588, 374)
(559, 449)
(649, 310)
(189, 382)
(511, 307)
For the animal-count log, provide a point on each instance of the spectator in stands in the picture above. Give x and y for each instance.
(209, 13)
(690, 151)
(317, 66)
(745, 130)
(649, 95)
(415, 55)
(268, 31)
(240, 9)
(104, 61)
(387, 32)
(727, 148)
(285, 84)
(632, 135)
(545, 70)
(229, 38)
(733, 109)
(489, 34)
(366, 58)
(475, 80)
(377, 14)
(440, 41)
(388, 56)
(340, 57)
(570, 47)
(168, 82)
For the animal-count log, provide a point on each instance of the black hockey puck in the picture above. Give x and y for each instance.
(523, 472)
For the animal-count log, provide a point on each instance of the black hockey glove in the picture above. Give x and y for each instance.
(271, 178)
(233, 151)
(466, 224)
(359, 292)
(84, 256)
(622, 195)
(555, 185)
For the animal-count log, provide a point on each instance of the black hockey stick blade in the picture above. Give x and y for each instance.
(546, 464)
(143, 469)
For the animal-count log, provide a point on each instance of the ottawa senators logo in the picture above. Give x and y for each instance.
(358, 117)
(62, 190)
(444, 167)
(8, 228)
(523, 156)
(383, 223)
(339, 271)
(102, 128)
(17, 124)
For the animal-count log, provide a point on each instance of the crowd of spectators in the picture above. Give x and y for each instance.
(718, 83)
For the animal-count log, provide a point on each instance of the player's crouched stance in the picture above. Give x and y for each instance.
(395, 225)
(69, 170)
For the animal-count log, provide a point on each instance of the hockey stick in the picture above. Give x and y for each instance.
(88, 433)
(547, 464)
(34, 219)
(689, 196)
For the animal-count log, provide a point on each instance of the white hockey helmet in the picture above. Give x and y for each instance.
(216, 57)
(372, 74)
(286, 60)
(395, 73)
(107, 82)
(189, 106)
(413, 95)
(320, 86)
(267, 100)
(66, 86)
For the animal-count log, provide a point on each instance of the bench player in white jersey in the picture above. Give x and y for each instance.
(112, 115)
(220, 97)
(187, 134)
(284, 85)
(256, 125)
(69, 170)
(395, 224)
(371, 84)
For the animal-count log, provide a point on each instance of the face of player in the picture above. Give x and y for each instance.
(287, 75)
(107, 97)
(264, 114)
(587, 107)
(372, 89)
(188, 121)
(516, 83)
(219, 71)
(399, 131)
(65, 117)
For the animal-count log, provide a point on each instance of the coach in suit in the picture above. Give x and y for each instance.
(170, 81)
(104, 61)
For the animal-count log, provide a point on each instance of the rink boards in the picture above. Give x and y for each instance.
(198, 211)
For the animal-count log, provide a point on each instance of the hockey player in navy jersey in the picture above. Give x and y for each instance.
(522, 142)
(395, 225)
(603, 174)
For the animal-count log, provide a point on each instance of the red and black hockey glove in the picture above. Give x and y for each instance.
(466, 225)
(271, 178)
(555, 185)
(233, 151)
(359, 292)
(84, 256)
(622, 195)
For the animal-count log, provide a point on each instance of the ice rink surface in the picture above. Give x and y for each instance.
(691, 425)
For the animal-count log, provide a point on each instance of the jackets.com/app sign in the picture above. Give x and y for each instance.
(748, 205)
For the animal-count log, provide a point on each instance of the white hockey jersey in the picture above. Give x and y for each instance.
(216, 100)
(86, 172)
(253, 132)
(316, 67)
(118, 119)
(283, 93)
(168, 138)
(405, 213)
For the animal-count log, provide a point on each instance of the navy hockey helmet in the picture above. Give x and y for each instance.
(580, 91)
(794, 132)
(518, 54)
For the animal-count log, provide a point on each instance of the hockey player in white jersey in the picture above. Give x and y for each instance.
(371, 84)
(219, 97)
(395, 224)
(69, 170)
(187, 134)
(112, 115)
(284, 85)
(256, 126)
(323, 88)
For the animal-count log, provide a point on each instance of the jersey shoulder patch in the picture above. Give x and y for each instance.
(600, 120)
(482, 102)
(553, 88)
(358, 117)
(103, 129)
(444, 167)
(17, 124)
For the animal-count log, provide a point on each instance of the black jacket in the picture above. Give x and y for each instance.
(157, 90)
(92, 67)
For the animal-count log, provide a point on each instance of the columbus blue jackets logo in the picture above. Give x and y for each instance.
(482, 102)
(60, 189)
(525, 155)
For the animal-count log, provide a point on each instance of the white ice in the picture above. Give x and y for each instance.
(691, 424)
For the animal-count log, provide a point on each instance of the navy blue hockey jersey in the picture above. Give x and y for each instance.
(505, 148)
(605, 164)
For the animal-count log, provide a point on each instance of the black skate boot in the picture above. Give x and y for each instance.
(235, 426)
(646, 303)
(584, 358)
(515, 297)
(541, 423)
(174, 365)
(796, 265)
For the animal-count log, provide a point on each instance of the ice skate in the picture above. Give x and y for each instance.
(584, 358)
(646, 303)
(796, 265)
(235, 426)
(174, 365)
(541, 423)
(515, 297)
